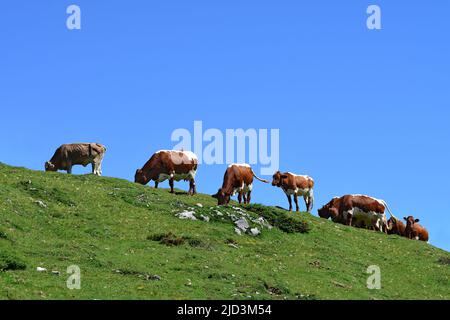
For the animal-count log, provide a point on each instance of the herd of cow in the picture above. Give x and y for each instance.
(354, 210)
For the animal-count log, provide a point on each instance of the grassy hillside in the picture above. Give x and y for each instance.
(130, 244)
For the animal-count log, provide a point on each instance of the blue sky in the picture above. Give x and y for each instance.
(361, 111)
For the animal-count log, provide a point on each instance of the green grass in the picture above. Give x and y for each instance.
(130, 245)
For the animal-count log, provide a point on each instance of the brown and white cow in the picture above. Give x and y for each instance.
(68, 155)
(414, 230)
(357, 210)
(295, 185)
(396, 226)
(169, 165)
(238, 179)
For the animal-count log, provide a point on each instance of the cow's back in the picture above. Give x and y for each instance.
(302, 182)
(364, 203)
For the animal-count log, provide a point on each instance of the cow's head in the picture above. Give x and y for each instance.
(50, 166)
(410, 221)
(222, 197)
(277, 179)
(140, 177)
(393, 223)
(329, 210)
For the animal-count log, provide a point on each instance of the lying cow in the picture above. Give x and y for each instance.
(169, 165)
(296, 185)
(68, 155)
(396, 226)
(357, 210)
(238, 179)
(414, 230)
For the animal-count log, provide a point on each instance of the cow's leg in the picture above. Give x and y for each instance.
(349, 217)
(192, 190)
(156, 184)
(99, 169)
(171, 184)
(310, 203)
(249, 196)
(194, 187)
(95, 168)
(240, 197)
(290, 201)
(69, 168)
(297, 207)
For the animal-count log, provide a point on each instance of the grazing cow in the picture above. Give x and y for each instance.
(414, 230)
(396, 226)
(238, 179)
(331, 210)
(357, 210)
(172, 165)
(68, 155)
(296, 185)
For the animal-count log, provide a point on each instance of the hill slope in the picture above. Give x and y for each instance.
(129, 244)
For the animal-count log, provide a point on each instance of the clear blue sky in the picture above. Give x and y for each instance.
(360, 111)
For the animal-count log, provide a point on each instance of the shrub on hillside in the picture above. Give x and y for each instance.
(9, 261)
(280, 219)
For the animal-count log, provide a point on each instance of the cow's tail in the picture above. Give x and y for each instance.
(388, 209)
(258, 178)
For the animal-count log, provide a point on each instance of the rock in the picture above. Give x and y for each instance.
(187, 215)
(41, 204)
(233, 245)
(56, 273)
(40, 269)
(263, 223)
(242, 224)
(154, 277)
(238, 231)
(205, 218)
(255, 232)
(199, 205)
(218, 213)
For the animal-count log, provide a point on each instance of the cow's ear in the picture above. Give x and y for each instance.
(417, 220)
(214, 196)
(405, 218)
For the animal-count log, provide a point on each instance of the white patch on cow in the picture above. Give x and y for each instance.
(370, 218)
(187, 155)
(239, 165)
(300, 175)
(298, 191)
(177, 176)
(375, 199)
(244, 188)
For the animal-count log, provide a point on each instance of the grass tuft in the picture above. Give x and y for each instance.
(280, 219)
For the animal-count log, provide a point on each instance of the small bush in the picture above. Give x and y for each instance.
(3, 235)
(169, 239)
(280, 219)
(9, 261)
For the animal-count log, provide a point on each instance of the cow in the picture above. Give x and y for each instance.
(68, 155)
(238, 179)
(396, 226)
(169, 165)
(357, 210)
(296, 185)
(414, 230)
